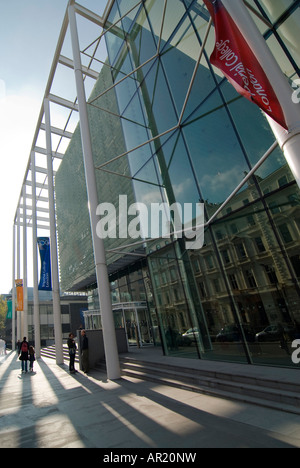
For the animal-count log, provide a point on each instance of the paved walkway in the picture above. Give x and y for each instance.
(52, 409)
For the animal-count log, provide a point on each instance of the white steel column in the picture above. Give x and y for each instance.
(18, 312)
(109, 334)
(290, 145)
(288, 140)
(25, 295)
(13, 322)
(53, 241)
(36, 303)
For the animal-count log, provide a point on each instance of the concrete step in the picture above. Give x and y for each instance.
(49, 352)
(239, 378)
(259, 391)
(240, 386)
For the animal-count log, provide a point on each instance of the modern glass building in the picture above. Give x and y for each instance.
(166, 131)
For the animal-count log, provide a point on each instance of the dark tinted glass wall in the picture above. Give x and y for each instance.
(188, 137)
(237, 298)
(77, 267)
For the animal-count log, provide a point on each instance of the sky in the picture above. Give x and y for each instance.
(29, 32)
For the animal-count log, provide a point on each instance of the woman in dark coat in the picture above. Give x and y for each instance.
(72, 353)
(24, 348)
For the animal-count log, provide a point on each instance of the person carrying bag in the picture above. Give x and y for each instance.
(24, 348)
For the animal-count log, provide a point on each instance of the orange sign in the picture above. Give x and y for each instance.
(19, 288)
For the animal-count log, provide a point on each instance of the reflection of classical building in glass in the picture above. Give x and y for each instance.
(158, 138)
(251, 254)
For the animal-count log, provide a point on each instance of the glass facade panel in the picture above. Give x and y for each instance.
(236, 298)
(275, 9)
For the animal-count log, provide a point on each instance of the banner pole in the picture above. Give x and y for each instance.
(109, 333)
(36, 301)
(53, 242)
(13, 322)
(289, 141)
(25, 293)
(18, 313)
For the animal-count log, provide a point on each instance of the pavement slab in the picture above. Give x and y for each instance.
(51, 408)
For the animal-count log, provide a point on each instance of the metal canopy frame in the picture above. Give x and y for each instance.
(36, 205)
(73, 107)
(39, 200)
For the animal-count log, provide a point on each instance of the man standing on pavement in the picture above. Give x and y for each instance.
(85, 352)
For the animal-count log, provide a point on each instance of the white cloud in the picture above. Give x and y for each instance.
(179, 189)
(18, 118)
(222, 182)
(2, 90)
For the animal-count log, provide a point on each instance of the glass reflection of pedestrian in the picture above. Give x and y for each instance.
(297, 330)
(85, 353)
(171, 338)
(72, 353)
(282, 338)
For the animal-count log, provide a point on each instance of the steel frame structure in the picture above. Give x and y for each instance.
(40, 199)
(42, 193)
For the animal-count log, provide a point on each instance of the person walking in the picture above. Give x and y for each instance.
(24, 348)
(31, 358)
(72, 353)
(85, 352)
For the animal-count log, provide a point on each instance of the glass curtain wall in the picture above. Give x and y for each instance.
(75, 245)
(237, 298)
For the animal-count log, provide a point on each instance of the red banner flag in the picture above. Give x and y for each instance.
(233, 56)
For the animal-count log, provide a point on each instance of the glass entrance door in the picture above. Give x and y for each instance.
(131, 326)
(134, 317)
(144, 326)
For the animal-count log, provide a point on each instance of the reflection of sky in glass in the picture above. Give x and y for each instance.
(216, 146)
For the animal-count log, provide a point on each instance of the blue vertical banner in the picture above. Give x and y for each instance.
(45, 278)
